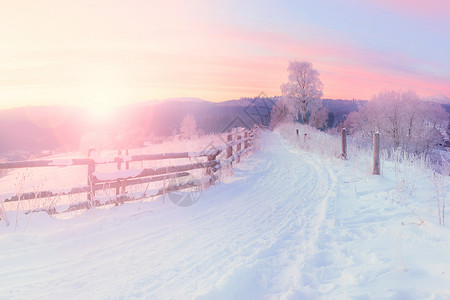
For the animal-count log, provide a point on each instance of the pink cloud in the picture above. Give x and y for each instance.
(360, 83)
(181, 56)
(431, 8)
(347, 71)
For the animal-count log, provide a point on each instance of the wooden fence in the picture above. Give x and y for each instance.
(237, 144)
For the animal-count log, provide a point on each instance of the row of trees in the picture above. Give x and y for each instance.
(406, 122)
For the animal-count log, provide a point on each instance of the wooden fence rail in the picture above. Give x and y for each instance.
(122, 178)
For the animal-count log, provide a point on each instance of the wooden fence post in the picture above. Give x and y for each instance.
(119, 167)
(90, 177)
(229, 148)
(238, 148)
(246, 141)
(127, 167)
(376, 154)
(344, 143)
(209, 171)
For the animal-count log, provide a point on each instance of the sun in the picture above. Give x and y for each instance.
(101, 109)
(102, 90)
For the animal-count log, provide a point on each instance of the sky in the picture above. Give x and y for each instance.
(110, 52)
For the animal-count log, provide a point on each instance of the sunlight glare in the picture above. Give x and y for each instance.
(101, 109)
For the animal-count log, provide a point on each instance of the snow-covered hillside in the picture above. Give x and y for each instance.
(288, 225)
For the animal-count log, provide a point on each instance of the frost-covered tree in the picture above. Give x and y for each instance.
(404, 120)
(100, 140)
(355, 124)
(319, 116)
(281, 112)
(304, 88)
(188, 128)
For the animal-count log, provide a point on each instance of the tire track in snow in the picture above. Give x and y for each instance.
(301, 210)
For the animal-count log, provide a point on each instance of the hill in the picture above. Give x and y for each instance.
(30, 130)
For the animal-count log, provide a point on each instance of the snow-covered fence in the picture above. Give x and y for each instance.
(122, 178)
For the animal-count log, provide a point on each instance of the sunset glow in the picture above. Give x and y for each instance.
(100, 109)
(102, 54)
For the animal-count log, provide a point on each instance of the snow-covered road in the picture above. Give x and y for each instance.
(285, 226)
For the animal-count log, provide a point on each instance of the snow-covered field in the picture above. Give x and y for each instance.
(289, 224)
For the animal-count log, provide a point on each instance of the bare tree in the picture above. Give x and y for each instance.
(304, 88)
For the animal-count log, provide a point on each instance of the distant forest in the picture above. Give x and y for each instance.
(22, 135)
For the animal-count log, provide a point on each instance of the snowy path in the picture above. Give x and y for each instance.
(284, 227)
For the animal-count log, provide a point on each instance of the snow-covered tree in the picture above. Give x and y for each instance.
(355, 123)
(281, 112)
(319, 116)
(188, 128)
(404, 120)
(304, 88)
(100, 140)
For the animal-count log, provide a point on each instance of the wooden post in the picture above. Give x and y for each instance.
(246, 142)
(127, 167)
(344, 143)
(209, 171)
(238, 148)
(91, 170)
(119, 166)
(230, 148)
(376, 154)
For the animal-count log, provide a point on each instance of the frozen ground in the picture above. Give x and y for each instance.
(288, 225)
